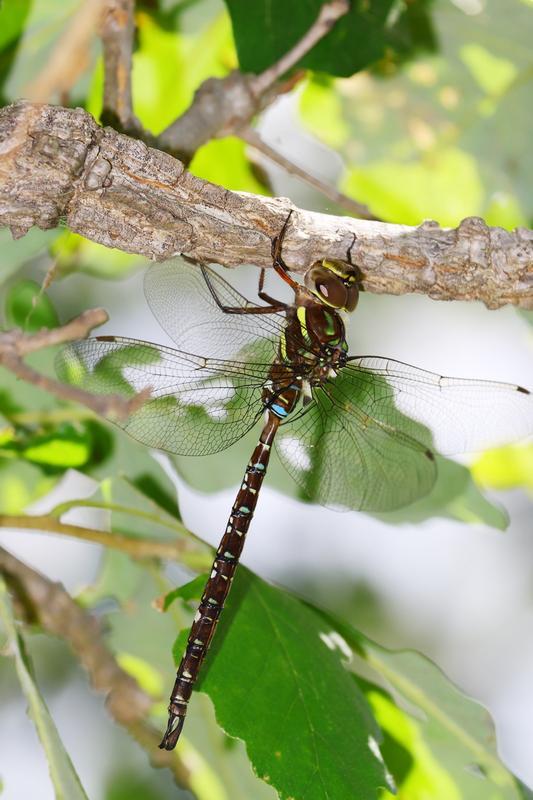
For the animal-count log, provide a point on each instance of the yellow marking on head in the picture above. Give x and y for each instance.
(333, 266)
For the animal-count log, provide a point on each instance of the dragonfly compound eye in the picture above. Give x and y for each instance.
(334, 283)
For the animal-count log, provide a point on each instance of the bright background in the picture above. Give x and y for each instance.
(444, 138)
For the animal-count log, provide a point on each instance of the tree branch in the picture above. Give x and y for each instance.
(118, 27)
(133, 546)
(329, 14)
(51, 606)
(222, 106)
(251, 137)
(16, 344)
(57, 163)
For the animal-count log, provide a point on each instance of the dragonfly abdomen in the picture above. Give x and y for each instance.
(219, 582)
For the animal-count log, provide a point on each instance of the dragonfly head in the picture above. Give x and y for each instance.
(334, 282)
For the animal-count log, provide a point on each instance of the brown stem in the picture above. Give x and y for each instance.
(118, 27)
(327, 17)
(137, 548)
(252, 138)
(69, 58)
(16, 344)
(49, 605)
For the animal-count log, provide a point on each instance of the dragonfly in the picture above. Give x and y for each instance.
(355, 432)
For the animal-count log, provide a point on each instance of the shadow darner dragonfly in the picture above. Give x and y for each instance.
(355, 432)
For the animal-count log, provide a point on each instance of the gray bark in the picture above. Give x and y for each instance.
(58, 164)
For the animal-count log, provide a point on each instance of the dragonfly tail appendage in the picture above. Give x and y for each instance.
(218, 585)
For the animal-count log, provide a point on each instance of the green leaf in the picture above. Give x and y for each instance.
(455, 495)
(463, 113)
(13, 15)
(505, 468)
(277, 685)
(158, 97)
(190, 591)
(64, 777)
(21, 483)
(29, 308)
(442, 726)
(412, 190)
(73, 253)
(224, 161)
(55, 447)
(38, 34)
(266, 29)
(119, 578)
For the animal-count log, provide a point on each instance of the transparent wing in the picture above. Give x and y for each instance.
(457, 415)
(366, 442)
(180, 296)
(345, 459)
(197, 405)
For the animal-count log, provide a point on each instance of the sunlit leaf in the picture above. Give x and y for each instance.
(168, 67)
(21, 483)
(224, 161)
(442, 726)
(66, 782)
(73, 253)
(493, 74)
(410, 191)
(505, 468)
(424, 777)
(403, 128)
(43, 26)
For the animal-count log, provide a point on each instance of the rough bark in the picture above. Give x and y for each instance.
(58, 164)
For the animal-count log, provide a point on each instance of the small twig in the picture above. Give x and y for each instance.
(252, 138)
(16, 344)
(69, 58)
(52, 607)
(135, 547)
(224, 106)
(118, 27)
(328, 16)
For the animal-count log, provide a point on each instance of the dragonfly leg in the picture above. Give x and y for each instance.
(275, 305)
(278, 304)
(277, 259)
(349, 251)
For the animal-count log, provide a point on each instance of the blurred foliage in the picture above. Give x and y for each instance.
(29, 308)
(437, 126)
(445, 137)
(505, 468)
(67, 785)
